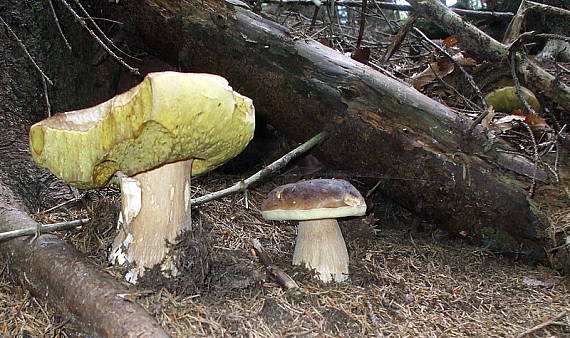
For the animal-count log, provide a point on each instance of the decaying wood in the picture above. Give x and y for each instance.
(377, 125)
(54, 270)
(555, 50)
(515, 26)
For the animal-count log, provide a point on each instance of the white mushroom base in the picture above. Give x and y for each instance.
(320, 246)
(154, 211)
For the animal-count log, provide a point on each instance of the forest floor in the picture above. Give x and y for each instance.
(408, 277)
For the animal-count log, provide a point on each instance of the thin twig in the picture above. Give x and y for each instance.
(477, 121)
(55, 18)
(105, 37)
(101, 43)
(48, 106)
(43, 228)
(513, 65)
(46, 330)
(26, 51)
(270, 169)
(551, 321)
(75, 199)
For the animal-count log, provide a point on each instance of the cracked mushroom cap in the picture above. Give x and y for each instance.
(168, 117)
(313, 199)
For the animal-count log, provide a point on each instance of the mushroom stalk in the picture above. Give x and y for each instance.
(155, 210)
(320, 246)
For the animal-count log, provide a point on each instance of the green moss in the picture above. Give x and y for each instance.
(497, 239)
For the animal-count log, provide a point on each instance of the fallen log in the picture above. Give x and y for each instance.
(57, 272)
(460, 180)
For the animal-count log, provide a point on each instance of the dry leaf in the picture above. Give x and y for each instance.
(464, 61)
(536, 123)
(442, 68)
(450, 41)
(506, 123)
(361, 55)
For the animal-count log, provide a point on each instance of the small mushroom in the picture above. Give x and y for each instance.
(316, 204)
(153, 137)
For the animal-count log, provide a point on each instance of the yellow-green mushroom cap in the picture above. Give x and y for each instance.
(506, 100)
(167, 118)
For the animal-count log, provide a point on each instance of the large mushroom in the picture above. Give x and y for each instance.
(316, 204)
(153, 137)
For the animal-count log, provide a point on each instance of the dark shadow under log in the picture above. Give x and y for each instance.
(379, 126)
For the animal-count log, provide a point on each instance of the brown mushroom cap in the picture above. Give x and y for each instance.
(313, 199)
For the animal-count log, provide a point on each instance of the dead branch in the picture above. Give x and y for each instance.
(280, 276)
(547, 9)
(56, 271)
(43, 228)
(270, 169)
(515, 26)
(362, 23)
(396, 7)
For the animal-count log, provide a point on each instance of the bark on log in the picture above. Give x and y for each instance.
(377, 124)
(54, 270)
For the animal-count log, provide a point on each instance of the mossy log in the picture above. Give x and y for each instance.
(459, 179)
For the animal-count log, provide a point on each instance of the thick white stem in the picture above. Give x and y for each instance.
(152, 217)
(320, 246)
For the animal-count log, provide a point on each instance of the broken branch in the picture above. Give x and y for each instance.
(43, 228)
(280, 276)
(270, 169)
